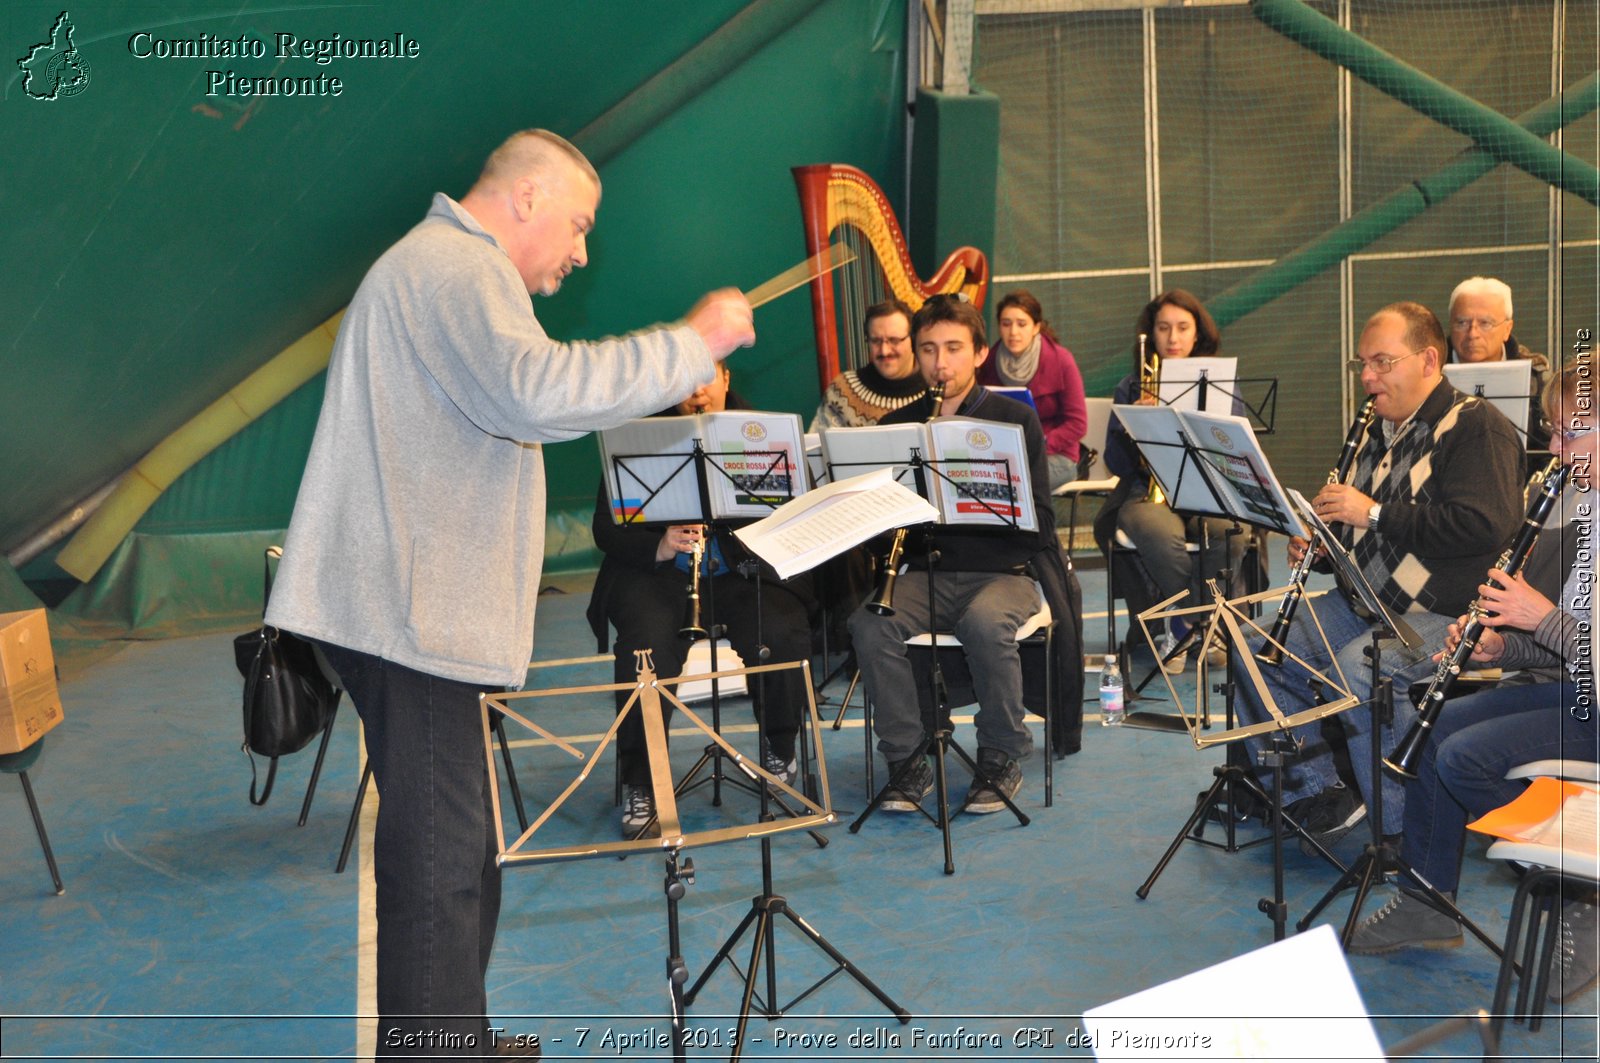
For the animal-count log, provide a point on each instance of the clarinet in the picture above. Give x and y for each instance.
(1403, 761)
(692, 628)
(1272, 652)
(882, 603)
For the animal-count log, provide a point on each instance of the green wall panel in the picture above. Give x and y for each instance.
(162, 243)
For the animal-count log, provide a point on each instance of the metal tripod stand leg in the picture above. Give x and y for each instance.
(760, 917)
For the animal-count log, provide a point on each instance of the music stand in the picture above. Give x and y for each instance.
(645, 697)
(1229, 477)
(993, 491)
(757, 458)
(1378, 856)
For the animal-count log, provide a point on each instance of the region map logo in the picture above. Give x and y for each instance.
(55, 68)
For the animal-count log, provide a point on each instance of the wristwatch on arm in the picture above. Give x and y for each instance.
(1372, 516)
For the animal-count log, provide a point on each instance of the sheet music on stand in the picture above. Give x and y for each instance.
(804, 533)
(1212, 385)
(1507, 385)
(758, 460)
(974, 471)
(1211, 464)
(1350, 576)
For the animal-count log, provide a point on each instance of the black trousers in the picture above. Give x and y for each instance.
(647, 612)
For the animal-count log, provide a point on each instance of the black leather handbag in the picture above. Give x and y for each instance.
(288, 700)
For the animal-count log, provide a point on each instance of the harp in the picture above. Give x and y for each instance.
(842, 200)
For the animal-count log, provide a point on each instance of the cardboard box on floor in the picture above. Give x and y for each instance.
(29, 702)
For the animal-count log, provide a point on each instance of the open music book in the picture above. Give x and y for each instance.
(978, 472)
(1229, 475)
(755, 464)
(830, 520)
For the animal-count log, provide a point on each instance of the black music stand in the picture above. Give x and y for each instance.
(767, 479)
(1378, 856)
(938, 731)
(1229, 478)
(764, 908)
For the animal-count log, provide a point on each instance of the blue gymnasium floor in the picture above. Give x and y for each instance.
(195, 925)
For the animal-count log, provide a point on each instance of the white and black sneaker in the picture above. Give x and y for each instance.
(785, 770)
(639, 813)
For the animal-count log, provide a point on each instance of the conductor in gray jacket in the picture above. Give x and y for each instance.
(414, 552)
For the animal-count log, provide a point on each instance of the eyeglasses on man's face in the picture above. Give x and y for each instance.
(1569, 435)
(1380, 365)
(1464, 325)
(886, 341)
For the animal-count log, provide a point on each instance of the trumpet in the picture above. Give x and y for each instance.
(1150, 384)
(1272, 652)
(882, 603)
(692, 627)
(1403, 761)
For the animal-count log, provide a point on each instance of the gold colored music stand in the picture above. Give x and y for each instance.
(647, 692)
(1231, 617)
(646, 696)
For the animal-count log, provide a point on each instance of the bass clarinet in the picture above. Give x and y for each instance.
(1403, 761)
(1272, 652)
(882, 603)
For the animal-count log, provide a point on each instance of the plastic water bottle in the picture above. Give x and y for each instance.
(1110, 693)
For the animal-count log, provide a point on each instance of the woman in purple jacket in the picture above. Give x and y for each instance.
(1030, 356)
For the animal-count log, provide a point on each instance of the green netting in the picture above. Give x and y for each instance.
(1153, 147)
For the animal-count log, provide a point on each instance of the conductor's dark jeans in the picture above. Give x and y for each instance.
(438, 886)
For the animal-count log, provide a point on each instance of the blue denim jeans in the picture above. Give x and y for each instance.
(1293, 689)
(438, 886)
(1461, 775)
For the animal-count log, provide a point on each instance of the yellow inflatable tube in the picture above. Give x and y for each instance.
(175, 455)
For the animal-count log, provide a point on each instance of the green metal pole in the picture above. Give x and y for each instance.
(689, 75)
(1394, 210)
(1493, 131)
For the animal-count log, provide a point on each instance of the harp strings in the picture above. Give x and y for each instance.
(857, 286)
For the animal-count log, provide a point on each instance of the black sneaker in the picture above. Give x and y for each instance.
(1327, 816)
(1002, 777)
(639, 812)
(916, 784)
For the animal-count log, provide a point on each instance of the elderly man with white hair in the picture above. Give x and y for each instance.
(1480, 331)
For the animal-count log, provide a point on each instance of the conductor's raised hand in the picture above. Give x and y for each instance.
(724, 320)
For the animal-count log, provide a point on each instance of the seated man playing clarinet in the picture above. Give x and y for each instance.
(1434, 496)
(643, 589)
(1461, 768)
(981, 585)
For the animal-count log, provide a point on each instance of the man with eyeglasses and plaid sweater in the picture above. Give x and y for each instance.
(1435, 495)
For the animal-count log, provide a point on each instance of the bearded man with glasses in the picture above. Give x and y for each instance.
(1435, 494)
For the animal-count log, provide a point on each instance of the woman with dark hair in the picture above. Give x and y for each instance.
(1029, 355)
(1174, 325)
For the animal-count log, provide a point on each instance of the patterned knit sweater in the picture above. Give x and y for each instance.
(860, 397)
(1451, 491)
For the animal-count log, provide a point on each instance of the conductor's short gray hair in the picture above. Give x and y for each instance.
(1483, 286)
(534, 152)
